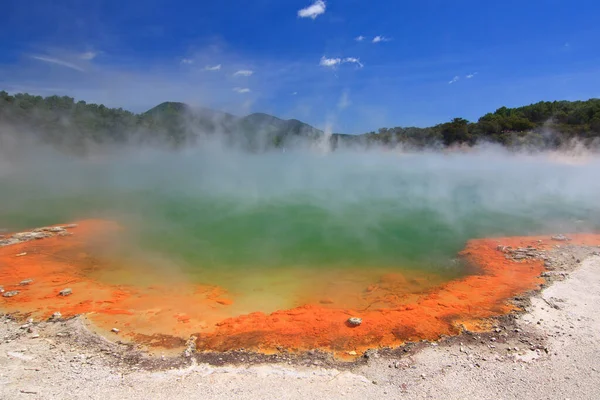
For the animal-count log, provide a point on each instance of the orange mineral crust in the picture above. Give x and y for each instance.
(394, 307)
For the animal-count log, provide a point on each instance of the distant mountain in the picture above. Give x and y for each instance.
(264, 130)
(256, 131)
(166, 108)
(171, 108)
(76, 126)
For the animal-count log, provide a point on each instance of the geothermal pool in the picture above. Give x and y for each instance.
(194, 243)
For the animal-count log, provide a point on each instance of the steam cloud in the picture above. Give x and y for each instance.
(294, 206)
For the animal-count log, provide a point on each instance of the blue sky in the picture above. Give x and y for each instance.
(433, 59)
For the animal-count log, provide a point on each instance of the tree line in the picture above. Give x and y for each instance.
(65, 123)
(547, 124)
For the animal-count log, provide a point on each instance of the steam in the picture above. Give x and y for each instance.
(218, 204)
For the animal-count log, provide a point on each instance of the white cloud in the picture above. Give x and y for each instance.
(455, 79)
(360, 38)
(314, 10)
(241, 90)
(57, 61)
(187, 61)
(212, 67)
(329, 62)
(353, 60)
(378, 39)
(88, 55)
(294, 93)
(243, 72)
(471, 75)
(334, 62)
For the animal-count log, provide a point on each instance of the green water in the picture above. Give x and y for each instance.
(262, 214)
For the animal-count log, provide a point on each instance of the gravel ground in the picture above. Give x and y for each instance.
(551, 351)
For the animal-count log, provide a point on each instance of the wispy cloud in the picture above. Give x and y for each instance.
(88, 55)
(334, 62)
(330, 62)
(241, 90)
(294, 93)
(378, 39)
(138, 86)
(187, 61)
(243, 72)
(314, 10)
(212, 67)
(353, 60)
(58, 61)
(471, 75)
(455, 79)
(360, 38)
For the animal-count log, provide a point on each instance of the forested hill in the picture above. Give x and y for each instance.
(73, 126)
(544, 125)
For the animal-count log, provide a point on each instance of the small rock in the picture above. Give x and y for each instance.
(26, 236)
(21, 255)
(352, 353)
(53, 229)
(10, 293)
(35, 336)
(56, 315)
(65, 292)
(115, 330)
(190, 346)
(26, 282)
(355, 321)
(560, 238)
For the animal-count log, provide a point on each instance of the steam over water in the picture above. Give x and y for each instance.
(279, 229)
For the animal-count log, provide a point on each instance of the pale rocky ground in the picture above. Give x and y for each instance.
(550, 352)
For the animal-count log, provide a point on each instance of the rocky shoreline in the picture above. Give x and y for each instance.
(36, 234)
(559, 262)
(68, 351)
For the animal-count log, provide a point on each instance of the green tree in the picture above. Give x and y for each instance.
(456, 131)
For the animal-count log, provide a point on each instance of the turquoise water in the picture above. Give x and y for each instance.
(227, 212)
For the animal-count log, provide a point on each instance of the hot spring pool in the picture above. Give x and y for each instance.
(278, 231)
